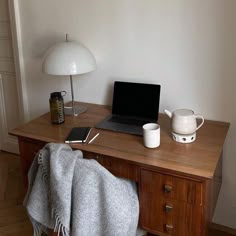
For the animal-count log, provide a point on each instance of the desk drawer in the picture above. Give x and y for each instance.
(171, 187)
(182, 219)
(119, 168)
(169, 204)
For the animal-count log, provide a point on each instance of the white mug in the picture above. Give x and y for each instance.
(151, 135)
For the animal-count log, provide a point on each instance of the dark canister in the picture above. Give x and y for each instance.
(57, 107)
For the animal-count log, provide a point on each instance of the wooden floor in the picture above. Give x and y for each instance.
(13, 217)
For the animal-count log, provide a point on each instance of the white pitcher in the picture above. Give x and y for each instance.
(184, 121)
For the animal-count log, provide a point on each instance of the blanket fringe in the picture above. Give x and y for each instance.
(37, 227)
(59, 227)
(43, 166)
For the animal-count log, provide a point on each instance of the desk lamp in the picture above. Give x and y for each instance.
(69, 58)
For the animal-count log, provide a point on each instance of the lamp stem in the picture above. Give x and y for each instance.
(73, 110)
(72, 94)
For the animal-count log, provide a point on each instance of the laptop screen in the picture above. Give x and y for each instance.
(136, 100)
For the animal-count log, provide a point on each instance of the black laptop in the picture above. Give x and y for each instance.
(133, 105)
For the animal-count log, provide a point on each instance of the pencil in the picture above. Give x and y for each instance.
(91, 140)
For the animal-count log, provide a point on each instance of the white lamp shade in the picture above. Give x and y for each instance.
(68, 58)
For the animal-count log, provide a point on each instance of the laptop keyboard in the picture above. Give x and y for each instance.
(128, 121)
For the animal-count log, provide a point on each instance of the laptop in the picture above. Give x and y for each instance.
(133, 105)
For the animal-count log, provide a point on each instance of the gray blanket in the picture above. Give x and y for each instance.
(78, 197)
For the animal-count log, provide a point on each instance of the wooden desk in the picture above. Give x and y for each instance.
(178, 183)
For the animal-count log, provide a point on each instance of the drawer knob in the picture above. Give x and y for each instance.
(168, 208)
(169, 228)
(167, 188)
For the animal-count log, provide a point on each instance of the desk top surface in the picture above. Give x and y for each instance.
(197, 159)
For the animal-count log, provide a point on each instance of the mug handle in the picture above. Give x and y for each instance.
(202, 118)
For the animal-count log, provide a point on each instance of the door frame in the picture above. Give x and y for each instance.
(8, 142)
(18, 59)
(2, 113)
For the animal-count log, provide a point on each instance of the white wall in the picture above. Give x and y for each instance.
(188, 46)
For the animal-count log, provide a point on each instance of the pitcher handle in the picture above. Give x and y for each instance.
(202, 118)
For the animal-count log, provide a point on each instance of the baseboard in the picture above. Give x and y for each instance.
(223, 228)
(10, 144)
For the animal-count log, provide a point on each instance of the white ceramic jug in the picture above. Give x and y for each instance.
(184, 121)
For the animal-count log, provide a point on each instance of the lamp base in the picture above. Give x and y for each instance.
(69, 111)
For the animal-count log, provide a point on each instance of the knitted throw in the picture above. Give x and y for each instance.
(79, 197)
